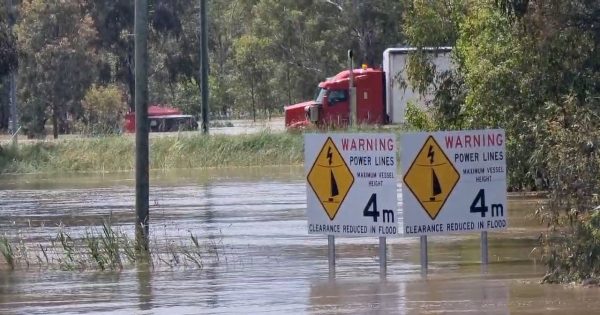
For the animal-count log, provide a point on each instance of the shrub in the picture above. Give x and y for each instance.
(418, 118)
(104, 109)
(570, 152)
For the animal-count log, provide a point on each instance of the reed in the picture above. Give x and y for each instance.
(7, 252)
(105, 247)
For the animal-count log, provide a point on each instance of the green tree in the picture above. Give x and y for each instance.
(103, 109)
(533, 68)
(302, 46)
(113, 22)
(8, 49)
(58, 62)
(8, 61)
(437, 24)
(254, 71)
(370, 26)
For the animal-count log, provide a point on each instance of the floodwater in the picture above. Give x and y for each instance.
(267, 262)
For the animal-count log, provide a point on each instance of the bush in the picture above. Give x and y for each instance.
(104, 109)
(571, 155)
(418, 118)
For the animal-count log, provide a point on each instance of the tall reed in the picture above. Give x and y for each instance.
(105, 248)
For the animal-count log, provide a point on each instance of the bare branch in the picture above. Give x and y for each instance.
(337, 5)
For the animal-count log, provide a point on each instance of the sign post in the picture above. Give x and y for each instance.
(454, 182)
(351, 188)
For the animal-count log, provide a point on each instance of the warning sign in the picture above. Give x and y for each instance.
(431, 177)
(351, 184)
(454, 182)
(330, 178)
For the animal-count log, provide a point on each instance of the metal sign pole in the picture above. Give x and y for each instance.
(484, 247)
(331, 255)
(424, 255)
(382, 257)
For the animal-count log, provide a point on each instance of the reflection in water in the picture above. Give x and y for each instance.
(211, 273)
(267, 262)
(144, 276)
(456, 296)
(356, 297)
(7, 285)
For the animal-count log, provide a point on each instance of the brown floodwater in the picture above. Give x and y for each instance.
(267, 262)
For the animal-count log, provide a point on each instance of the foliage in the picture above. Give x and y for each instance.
(532, 68)
(572, 155)
(58, 64)
(437, 24)
(248, 50)
(418, 118)
(103, 110)
(494, 68)
(8, 59)
(264, 54)
(572, 254)
(433, 23)
(8, 49)
(7, 251)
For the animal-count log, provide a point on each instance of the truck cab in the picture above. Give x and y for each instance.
(331, 104)
(382, 95)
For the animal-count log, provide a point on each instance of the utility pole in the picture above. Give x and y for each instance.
(204, 64)
(14, 117)
(142, 168)
(352, 90)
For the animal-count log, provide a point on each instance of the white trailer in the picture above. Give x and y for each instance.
(399, 90)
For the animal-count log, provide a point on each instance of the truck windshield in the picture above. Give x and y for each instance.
(319, 94)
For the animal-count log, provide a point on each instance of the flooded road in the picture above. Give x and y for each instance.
(266, 263)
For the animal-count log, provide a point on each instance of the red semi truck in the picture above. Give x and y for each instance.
(381, 95)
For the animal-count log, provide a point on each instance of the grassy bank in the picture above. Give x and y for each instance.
(109, 154)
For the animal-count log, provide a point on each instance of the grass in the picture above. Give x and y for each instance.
(173, 151)
(117, 153)
(105, 248)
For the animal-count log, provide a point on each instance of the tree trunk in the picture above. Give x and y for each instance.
(289, 84)
(4, 103)
(253, 101)
(131, 80)
(54, 122)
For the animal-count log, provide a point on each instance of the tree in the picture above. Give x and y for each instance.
(533, 68)
(8, 50)
(301, 45)
(254, 74)
(113, 22)
(8, 61)
(371, 26)
(103, 109)
(58, 62)
(437, 24)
